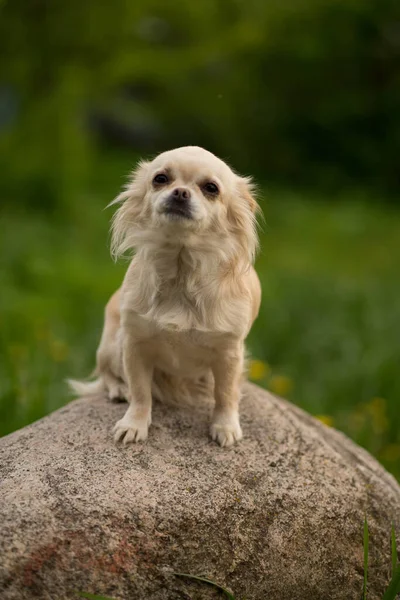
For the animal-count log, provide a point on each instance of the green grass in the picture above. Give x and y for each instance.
(328, 331)
(394, 585)
(393, 588)
(394, 550)
(93, 596)
(366, 551)
(208, 582)
(330, 317)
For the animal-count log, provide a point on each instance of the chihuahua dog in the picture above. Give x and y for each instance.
(176, 328)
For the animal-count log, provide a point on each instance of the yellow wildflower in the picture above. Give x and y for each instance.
(357, 419)
(325, 419)
(280, 385)
(377, 409)
(258, 370)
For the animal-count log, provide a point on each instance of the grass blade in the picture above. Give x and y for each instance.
(393, 587)
(394, 551)
(366, 548)
(93, 596)
(208, 581)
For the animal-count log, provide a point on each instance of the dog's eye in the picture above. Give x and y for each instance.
(211, 189)
(160, 179)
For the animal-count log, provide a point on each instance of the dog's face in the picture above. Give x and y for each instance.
(183, 192)
(189, 188)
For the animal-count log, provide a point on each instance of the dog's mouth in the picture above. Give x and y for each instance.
(178, 212)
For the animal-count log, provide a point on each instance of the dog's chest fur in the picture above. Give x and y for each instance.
(185, 293)
(180, 310)
(183, 353)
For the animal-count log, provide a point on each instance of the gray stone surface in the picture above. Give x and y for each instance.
(279, 516)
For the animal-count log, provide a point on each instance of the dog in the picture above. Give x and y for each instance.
(176, 328)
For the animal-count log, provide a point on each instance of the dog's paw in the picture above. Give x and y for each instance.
(226, 430)
(128, 431)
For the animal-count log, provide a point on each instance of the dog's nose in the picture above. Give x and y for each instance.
(180, 194)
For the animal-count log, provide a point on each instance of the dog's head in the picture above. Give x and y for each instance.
(186, 196)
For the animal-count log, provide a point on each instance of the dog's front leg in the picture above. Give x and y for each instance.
(228, 371)
(134, 425)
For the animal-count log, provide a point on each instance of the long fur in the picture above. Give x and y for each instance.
(205, 269)
(87, 388)
(194, 280)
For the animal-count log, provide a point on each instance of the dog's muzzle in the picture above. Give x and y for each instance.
(178, 204)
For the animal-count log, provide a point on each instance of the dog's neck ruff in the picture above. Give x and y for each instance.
(189, 287)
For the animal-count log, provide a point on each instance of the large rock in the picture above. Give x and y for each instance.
(278, 517)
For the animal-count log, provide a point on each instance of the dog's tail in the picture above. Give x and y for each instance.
(87, 388)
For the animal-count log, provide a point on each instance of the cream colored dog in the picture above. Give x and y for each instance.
(176, 328)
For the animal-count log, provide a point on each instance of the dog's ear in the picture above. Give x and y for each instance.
(247, 190)
(131, 211)
(242, 217)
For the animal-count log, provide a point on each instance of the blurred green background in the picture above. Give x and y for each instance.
(303, 95)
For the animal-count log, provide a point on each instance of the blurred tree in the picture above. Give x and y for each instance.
(306, 91)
